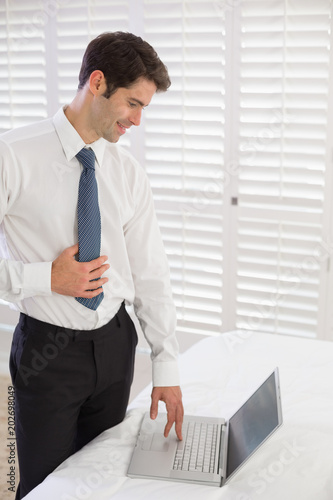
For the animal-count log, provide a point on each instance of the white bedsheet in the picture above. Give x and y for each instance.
(217, 375)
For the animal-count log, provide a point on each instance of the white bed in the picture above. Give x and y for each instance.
(218, 374)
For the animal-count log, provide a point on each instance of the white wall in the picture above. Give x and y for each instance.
(8, 320)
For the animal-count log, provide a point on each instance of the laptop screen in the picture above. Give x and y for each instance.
(253, 423)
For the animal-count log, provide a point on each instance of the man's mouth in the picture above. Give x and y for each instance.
(122, 128)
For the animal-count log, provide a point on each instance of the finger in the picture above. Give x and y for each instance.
(179, 423)
(154, 408)
(89, 294)
(96, 285)
(91, 265)
(167, 428)
(73, 250)
(97, 273)
(96, 263)
(175, 417)
(170, 421)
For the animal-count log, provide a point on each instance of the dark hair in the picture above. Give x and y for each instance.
(123, 58)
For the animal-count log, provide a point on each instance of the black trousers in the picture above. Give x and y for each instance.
(69, 387)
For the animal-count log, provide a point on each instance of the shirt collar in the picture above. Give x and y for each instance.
(72, 142)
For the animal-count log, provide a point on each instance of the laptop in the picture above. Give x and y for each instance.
(213, 449)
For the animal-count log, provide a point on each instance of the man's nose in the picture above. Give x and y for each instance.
(135, 118)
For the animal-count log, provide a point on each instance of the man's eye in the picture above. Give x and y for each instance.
(132, 104)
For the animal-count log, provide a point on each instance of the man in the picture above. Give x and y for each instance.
(73, 350)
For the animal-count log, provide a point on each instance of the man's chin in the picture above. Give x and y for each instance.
(112, 138)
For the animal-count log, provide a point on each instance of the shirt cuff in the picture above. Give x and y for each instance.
(165, 374)
(37, 279)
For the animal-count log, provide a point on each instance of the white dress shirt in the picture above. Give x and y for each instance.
(39, 178)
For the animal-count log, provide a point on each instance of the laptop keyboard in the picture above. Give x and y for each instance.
(197, 450)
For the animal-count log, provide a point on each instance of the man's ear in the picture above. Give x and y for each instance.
(97, 83)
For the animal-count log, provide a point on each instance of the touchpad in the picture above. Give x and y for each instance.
(159, 443)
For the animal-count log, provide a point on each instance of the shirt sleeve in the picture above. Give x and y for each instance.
(153, 303)
(18, 280)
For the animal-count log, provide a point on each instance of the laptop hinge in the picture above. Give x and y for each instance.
(221, 454)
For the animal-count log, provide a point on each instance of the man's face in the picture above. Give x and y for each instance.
(110, 118)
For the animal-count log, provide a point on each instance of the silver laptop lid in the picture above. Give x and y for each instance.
(253, 423)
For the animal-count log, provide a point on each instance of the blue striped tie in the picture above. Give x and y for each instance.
(89, 218)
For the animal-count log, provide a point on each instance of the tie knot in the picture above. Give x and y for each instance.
(87, 158)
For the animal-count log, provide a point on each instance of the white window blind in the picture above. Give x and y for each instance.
(284, 86)
(76, 24)
(184, 153)
(22, 63)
